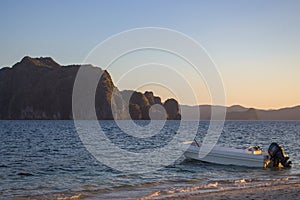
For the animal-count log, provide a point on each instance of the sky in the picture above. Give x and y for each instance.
(255, 44)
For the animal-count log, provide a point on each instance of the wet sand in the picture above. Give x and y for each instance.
(285, 191)
(279, 192)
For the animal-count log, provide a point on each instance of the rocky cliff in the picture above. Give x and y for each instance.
(40, 88)
(147, 106)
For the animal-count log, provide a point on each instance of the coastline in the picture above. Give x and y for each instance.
(279, 192)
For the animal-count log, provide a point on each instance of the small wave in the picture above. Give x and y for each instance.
(185, 190)
(218, 186)
(74, 197)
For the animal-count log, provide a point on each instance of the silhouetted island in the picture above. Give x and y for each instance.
(40, 88)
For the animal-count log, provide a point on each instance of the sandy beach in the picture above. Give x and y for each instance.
(288, 191)
(279, 192)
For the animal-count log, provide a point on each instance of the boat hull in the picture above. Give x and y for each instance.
(226, 156)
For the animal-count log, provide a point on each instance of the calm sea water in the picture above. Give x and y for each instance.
(47, 160)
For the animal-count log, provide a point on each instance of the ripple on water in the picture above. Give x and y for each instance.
(47, 158)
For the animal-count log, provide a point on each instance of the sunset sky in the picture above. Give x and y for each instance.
(255, 44)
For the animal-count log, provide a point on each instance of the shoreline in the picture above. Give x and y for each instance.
(279, 192)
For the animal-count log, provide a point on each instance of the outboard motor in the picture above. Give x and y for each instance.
(277, 156)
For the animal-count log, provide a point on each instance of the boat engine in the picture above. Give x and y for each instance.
(277, 156)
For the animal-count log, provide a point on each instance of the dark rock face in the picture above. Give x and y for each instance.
(141, 102)
(36, 89)
(157, 112)
(172, 108)
(135, 111)
(40, 88)
(150, 97)
(147, 106)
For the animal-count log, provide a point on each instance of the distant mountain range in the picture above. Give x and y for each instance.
(238, 112)
(40, 88)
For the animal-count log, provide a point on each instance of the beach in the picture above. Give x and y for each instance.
(279, 192)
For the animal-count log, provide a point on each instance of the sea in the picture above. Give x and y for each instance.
(48, 160)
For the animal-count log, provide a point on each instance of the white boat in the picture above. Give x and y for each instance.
(250, 157)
